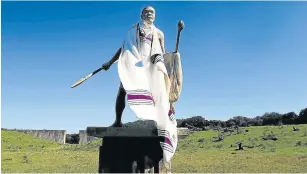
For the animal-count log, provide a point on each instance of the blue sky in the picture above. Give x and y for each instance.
(238, 58)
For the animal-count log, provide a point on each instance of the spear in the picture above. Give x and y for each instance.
(86, 77)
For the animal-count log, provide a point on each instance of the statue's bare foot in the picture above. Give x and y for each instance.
(117, 124)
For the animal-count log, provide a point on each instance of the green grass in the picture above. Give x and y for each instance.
(278, 156)
(24, 153)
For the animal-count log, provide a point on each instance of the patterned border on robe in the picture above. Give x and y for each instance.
(167, 143)
(139, 97)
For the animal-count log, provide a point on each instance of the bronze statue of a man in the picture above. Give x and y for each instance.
(148, 17)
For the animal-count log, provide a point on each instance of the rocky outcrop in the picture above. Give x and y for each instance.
(141, 124)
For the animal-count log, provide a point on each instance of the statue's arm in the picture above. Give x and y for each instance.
(161, 39)
(116, 56)
(109, 63)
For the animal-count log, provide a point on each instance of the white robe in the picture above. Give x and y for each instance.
(148, 88)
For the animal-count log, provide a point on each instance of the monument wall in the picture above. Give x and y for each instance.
(182, 132)
(53, 135)
(83, 137)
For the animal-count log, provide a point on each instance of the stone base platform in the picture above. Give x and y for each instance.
(129, 149)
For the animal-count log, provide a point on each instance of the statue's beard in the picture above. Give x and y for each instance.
(149, 20)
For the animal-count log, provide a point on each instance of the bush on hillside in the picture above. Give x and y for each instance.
(197, 123)
(302, 118)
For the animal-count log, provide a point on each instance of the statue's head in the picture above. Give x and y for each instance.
(148, 14)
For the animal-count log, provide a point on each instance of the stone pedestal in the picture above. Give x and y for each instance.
(128, 150)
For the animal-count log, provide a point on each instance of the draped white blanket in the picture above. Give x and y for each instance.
(148, 87)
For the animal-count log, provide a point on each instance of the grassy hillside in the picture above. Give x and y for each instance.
(197, 153)
(23, 153)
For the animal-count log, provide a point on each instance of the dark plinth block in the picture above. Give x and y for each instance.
(128, 150)
(129, 154)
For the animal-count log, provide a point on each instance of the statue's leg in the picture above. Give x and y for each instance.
(120, 106)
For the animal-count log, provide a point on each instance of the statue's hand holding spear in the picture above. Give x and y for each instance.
(105, 67)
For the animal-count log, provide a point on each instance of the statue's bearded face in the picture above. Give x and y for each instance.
(148, 14)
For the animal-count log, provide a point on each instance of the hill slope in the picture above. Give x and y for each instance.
(200, 152)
